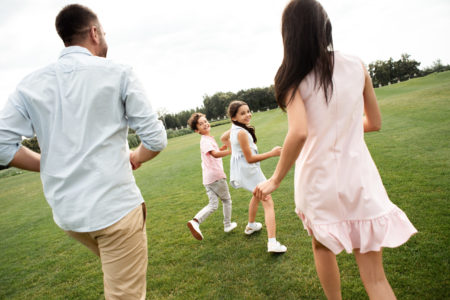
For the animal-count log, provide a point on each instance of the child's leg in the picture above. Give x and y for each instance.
(327, 270)
(252, 209)
(211, 207)
(269, 216)
(220, 187)
(372, 275)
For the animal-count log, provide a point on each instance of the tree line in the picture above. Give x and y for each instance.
(393, 71)
(215, 106)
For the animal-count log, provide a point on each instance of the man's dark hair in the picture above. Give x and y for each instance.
(73, 23)
(193, 120)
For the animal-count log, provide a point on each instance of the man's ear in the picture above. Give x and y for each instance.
(94, 34)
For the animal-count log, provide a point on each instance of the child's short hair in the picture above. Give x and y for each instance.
(193, 120)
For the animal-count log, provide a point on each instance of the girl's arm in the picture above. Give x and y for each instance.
(372, 115)
(293, 144)
(225, 139)
(249, 156)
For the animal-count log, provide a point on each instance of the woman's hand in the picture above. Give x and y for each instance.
(265, 188)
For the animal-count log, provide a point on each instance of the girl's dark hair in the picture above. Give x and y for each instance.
(232, 111)
(73, 22)
(308, 46)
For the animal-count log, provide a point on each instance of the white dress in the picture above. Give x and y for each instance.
(243, 174)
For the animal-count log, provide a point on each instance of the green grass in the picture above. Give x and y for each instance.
(412, 153)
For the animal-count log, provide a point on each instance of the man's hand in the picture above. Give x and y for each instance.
(133, 161)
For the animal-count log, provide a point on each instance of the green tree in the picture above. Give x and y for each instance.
(32, 144)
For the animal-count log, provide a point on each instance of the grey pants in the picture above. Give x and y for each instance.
(217, 189)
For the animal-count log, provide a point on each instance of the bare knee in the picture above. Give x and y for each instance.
(370, 266)
(318, 246)
(267, 202)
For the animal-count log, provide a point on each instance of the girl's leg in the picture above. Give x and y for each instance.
(372, 275)
(252, 209)
(269, 216)
(327, 270)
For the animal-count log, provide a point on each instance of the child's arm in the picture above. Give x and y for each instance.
(293, 144)
(249, 156)
(226, 148)
(372, 115)
(220, 153)
(225, 138)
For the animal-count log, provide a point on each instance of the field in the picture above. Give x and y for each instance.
(412, 152)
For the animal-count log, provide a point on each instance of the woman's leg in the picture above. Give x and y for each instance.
(269, 216)
(327, 270)
(372, 275)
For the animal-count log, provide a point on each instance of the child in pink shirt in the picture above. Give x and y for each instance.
(214, 178)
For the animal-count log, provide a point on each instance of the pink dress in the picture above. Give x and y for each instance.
(339, 194)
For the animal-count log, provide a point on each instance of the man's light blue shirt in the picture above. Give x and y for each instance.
(80, 109)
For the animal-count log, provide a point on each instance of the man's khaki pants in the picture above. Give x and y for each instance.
(122, 248)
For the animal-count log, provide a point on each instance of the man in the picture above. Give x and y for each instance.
(80, 108)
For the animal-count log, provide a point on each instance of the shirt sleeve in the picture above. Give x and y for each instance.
(14, 123)
(206, 146)
(140, 114)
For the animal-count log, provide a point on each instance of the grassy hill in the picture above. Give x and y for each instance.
(38, 261)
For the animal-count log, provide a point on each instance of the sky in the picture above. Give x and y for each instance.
(183, 50)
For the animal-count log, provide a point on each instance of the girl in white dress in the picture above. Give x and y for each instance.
(245, 171)
(339, 195)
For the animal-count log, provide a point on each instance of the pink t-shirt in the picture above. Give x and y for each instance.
(212, 167)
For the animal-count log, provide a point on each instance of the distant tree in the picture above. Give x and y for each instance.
(217, 104)
(32, 144)
(385, 72)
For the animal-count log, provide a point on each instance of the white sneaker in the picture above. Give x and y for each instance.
(195, 229)
(250, 229)
(230, 227)
(276, 247)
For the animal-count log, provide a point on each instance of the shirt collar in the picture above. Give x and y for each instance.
(74, 49)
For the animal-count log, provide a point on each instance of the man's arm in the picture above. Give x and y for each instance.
(144, 121)
(15, 123)
(26, 159)
(141, 155)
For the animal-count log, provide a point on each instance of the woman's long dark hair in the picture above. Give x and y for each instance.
(308, 46)
(232, 111)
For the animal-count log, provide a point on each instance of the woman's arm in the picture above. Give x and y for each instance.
(293, 144)
(249, 156)
(372, 114)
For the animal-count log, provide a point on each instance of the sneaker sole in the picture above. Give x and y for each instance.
(229, 230)
(251, 231)
(277, 251)
(194, 232)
